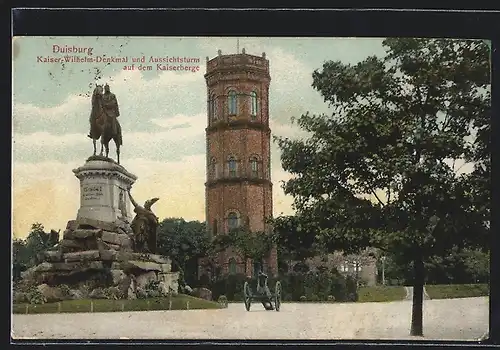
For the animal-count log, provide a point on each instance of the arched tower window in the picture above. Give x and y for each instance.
(232, 266)
(213, 168)
(254, 167)
(253, 105)
(212, 107)
(232, 102)
(233, 220)
(214, 227)
(232, 166)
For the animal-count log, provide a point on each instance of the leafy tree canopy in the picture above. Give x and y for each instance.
(384, 169)
(295, 241)
(250, 245)
(183, 241)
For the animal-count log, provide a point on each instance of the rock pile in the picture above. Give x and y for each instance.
(95, 259)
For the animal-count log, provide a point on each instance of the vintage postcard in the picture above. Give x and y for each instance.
(250, 188)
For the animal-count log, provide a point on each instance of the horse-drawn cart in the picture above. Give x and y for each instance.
(263, 294)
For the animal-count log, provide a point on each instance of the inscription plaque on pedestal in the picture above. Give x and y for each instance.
(103, 190)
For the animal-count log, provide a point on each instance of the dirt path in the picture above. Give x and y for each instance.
(443, 319)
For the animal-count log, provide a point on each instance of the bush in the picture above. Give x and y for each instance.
(330, 298)
(141, 293)
(152, 289)
(303, 298)
(353, 297)
(65, 290)
(222, 300)
(294, 285)
(228, 286)
(314, 297)
(362, 283)
(35, 296)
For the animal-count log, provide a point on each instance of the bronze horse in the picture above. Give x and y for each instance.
(102, 126)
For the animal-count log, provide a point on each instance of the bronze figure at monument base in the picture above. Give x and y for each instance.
(144, 226)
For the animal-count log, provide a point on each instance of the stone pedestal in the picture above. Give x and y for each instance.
(103, 190)
(96, 258)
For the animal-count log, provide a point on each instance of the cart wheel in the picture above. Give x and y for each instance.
(277, 296)
(247, 293)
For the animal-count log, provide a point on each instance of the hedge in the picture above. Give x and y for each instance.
(177, 302)
(315, 286)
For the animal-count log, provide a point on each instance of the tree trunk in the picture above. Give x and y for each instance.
(418, 298)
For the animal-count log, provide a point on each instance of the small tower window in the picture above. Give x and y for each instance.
(212, 107)
(232, 102)
(253, 109)
(213, 102)
(232, 266)
(233, 220)
(232, 166)
(254, 167)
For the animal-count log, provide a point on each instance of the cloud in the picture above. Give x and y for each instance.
(140, 100)
(188, 124)
(174, 137)
(72, 104)
(48, 192)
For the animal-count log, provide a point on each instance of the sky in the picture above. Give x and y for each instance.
(163, 115)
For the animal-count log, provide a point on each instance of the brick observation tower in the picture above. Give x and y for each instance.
(238, 185)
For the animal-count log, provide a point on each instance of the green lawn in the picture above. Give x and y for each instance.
(365, 294)
(448, 291)
(381, 293)
(179, 302)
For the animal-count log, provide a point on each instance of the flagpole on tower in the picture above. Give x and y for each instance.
(237, 45)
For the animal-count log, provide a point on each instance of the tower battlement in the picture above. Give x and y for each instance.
(241, 61)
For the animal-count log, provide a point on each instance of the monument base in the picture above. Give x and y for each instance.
(104, 186)
(95, 259)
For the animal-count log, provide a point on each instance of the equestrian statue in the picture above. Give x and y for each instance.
(104, 122)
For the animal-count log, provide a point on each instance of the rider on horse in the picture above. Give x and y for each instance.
(110, 108)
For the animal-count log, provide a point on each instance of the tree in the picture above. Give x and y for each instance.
(249, 245)
(20, 258)
(27, 253)
(457, 266)
(383, 170)
(39, 241)
(294, 242)
(184, 242)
